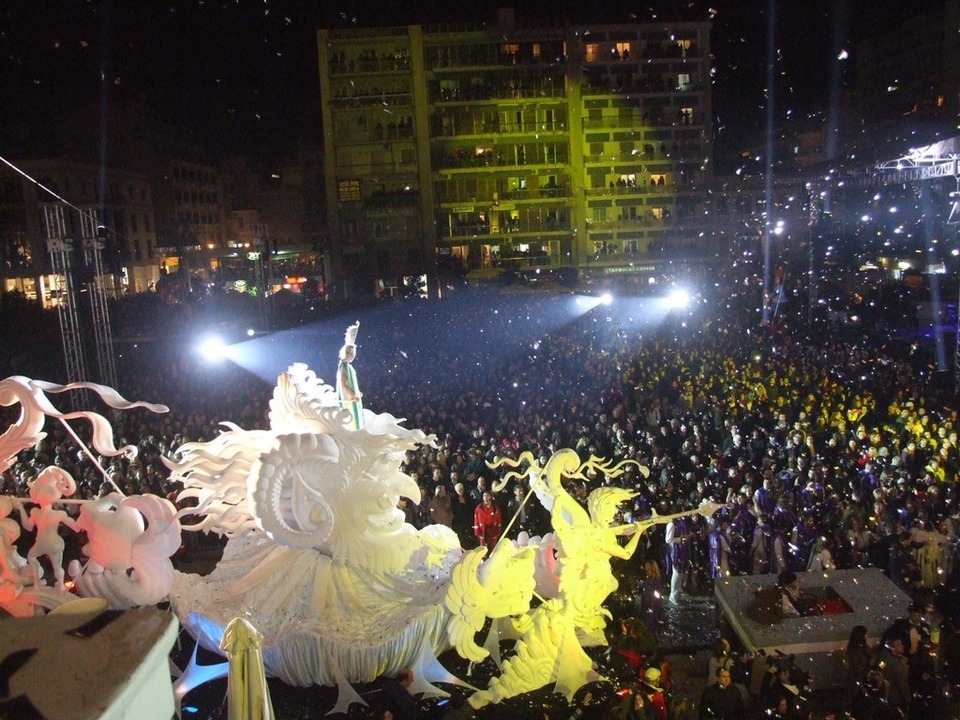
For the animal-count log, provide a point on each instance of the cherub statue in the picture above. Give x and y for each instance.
(48, 487)
(348, 392)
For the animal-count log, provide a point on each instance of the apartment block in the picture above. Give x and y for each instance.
(514, 148)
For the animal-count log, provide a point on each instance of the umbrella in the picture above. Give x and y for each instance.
(248, 697)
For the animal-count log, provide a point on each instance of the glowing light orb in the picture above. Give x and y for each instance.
(679, 298)
(212, 349)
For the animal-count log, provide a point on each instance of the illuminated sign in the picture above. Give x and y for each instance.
(349, 190)
(622, 269)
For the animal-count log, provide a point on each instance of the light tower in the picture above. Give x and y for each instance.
(92, 244)
(60, 248)
(67, 287)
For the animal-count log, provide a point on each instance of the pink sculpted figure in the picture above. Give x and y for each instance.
(48, 487)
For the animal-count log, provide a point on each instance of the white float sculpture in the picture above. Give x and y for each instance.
(319, 558)
(130, 539)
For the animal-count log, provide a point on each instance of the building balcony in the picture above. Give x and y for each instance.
(480, 128)
(649, 86)
(492, 64)
(523, 260)
(486, 93)
(641, 122)
(627, 224)
(651, 52)
(514, 229)
(370, 65)
(642, 187)
(373, 98)
(656, 250)
(546, 193)
(550, 165)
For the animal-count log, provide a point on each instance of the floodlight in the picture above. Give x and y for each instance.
(678, 298)
(212, 349)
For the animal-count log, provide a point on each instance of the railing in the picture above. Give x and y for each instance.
(369, 65)
(498, 60)
(515, 261)
(488, 160)
(644, 188)
(651, 120)
(373, 98)
(472, 93)
(526, 194)
(479, 127)
(540, 194)
(648, 86)
(508, 228)
(627, 223)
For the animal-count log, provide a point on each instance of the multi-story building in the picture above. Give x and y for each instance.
(118, 201)
(501, 148)
(190, 199)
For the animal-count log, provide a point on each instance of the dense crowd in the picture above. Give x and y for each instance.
(825, 452)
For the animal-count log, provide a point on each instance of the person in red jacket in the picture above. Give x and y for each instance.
(487, 521)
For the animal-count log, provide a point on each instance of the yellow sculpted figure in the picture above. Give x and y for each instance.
(554, 634)
(551, 646)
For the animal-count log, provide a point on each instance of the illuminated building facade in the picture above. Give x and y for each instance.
(120, 200)
(501, 148)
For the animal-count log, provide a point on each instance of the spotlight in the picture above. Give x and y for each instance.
(678, 298)
(212, 349)
(606, 298)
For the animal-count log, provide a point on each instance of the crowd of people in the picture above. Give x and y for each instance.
(824, 452)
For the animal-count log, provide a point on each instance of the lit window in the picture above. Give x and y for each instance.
(623, 49)
(593, 52)
(683, 81)
(536, 49)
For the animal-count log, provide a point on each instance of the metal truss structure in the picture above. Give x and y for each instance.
(63, 257)
(929, 163)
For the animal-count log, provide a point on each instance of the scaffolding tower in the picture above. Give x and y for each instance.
(69, 281)
(60, 248)
(93, 245)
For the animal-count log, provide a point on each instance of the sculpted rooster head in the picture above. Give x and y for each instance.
(311, 481)
(322, 492)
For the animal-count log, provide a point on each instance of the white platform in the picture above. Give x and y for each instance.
(119, 672)
(817, 642)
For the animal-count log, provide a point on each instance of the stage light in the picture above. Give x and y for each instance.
(212, 349)
(678, 299)
(606, 298)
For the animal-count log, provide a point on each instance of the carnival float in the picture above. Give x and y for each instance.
(318, 557)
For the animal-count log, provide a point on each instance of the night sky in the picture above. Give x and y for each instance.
(241, 75)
